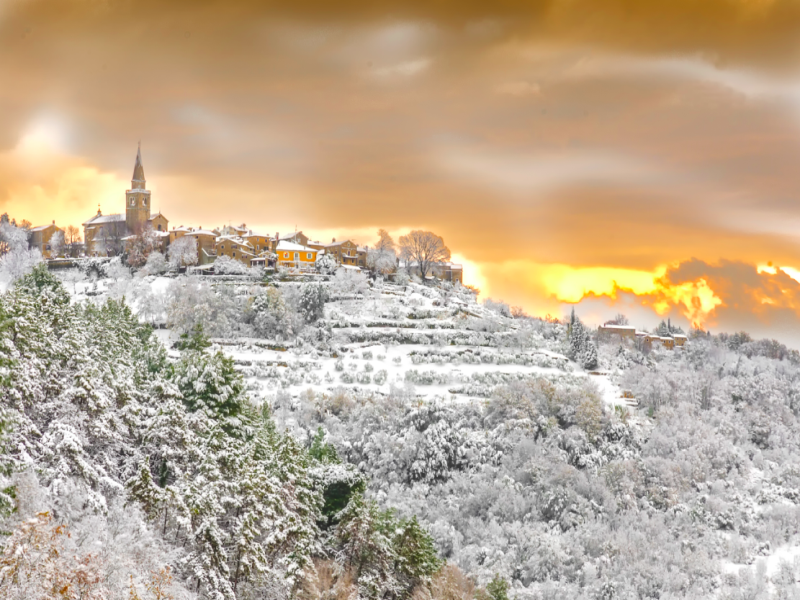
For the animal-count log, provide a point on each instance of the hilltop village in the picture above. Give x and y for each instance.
(136, 232)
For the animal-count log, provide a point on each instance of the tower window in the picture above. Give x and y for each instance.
(132, 201)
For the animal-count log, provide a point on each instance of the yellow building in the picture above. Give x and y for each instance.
(158, 222)
(236, 248)
(295, 255)
(607, 332)
(41, 236)
(345, 252)
(259, 242)
(206, 245)
(177, 233)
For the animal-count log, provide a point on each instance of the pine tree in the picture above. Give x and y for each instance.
(312, 302)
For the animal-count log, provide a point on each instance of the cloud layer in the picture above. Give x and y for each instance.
(559, 147)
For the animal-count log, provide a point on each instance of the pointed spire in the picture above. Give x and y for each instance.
(138, 170)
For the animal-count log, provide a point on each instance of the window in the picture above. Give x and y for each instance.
(296, 256)
(132, 201)
(308, 256)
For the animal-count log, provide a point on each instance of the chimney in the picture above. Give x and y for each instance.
(54, 221)
(333, 240)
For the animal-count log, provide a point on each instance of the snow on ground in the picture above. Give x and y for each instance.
(437, 355)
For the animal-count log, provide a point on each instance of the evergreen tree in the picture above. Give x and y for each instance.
(312, 302)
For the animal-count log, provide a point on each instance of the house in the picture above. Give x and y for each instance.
(177, 233)
(259, 242)
(622, 332)
(239, 230)
(236, 248)
(361, 256)
(345, 252)
(445, 271)
(649, 340)
(41, 236)
(296, 238)
(680, 340)
(158, 222)
(102, 234)
(206, 245)
(449, 272)
(295, 255)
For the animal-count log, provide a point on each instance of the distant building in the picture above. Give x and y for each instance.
(445, 271)
(104, 234)
(41, 236)
(680, 339)
(608, 332)
(236, 248)
(206, 245)
(260, 242)
(295, 255)
(298, 237)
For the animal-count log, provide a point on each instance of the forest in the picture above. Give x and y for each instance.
(236, 436)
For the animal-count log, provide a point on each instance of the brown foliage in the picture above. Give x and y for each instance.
(328, 582)
(35, 564)
(450, 583)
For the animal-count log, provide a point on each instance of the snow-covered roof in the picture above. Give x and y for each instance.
(202, 232)
(620, 327)
(103, 219)
(158, 214)
(234, 239)
(181, 228)
(290, 247)
(42, 227)
(681, 336)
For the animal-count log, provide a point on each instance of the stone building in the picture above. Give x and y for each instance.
(41, 236)
(104, 234)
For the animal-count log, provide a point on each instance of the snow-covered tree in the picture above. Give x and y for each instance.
(581, 347)
(326, 263)
(385, 242)
(225, 265)
(272, 315)
(156, 264)
(311, 303)
(182, 252)
(423, 250)
(140, 246)
(57, 244)
(349, 281)
(381, 261)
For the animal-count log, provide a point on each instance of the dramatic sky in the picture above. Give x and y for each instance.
(640, 156)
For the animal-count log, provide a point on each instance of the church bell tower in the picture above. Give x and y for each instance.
(137, 199)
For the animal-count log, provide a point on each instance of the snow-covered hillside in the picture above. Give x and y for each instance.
(522, 467)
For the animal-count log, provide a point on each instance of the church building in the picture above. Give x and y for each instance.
(104, 234)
